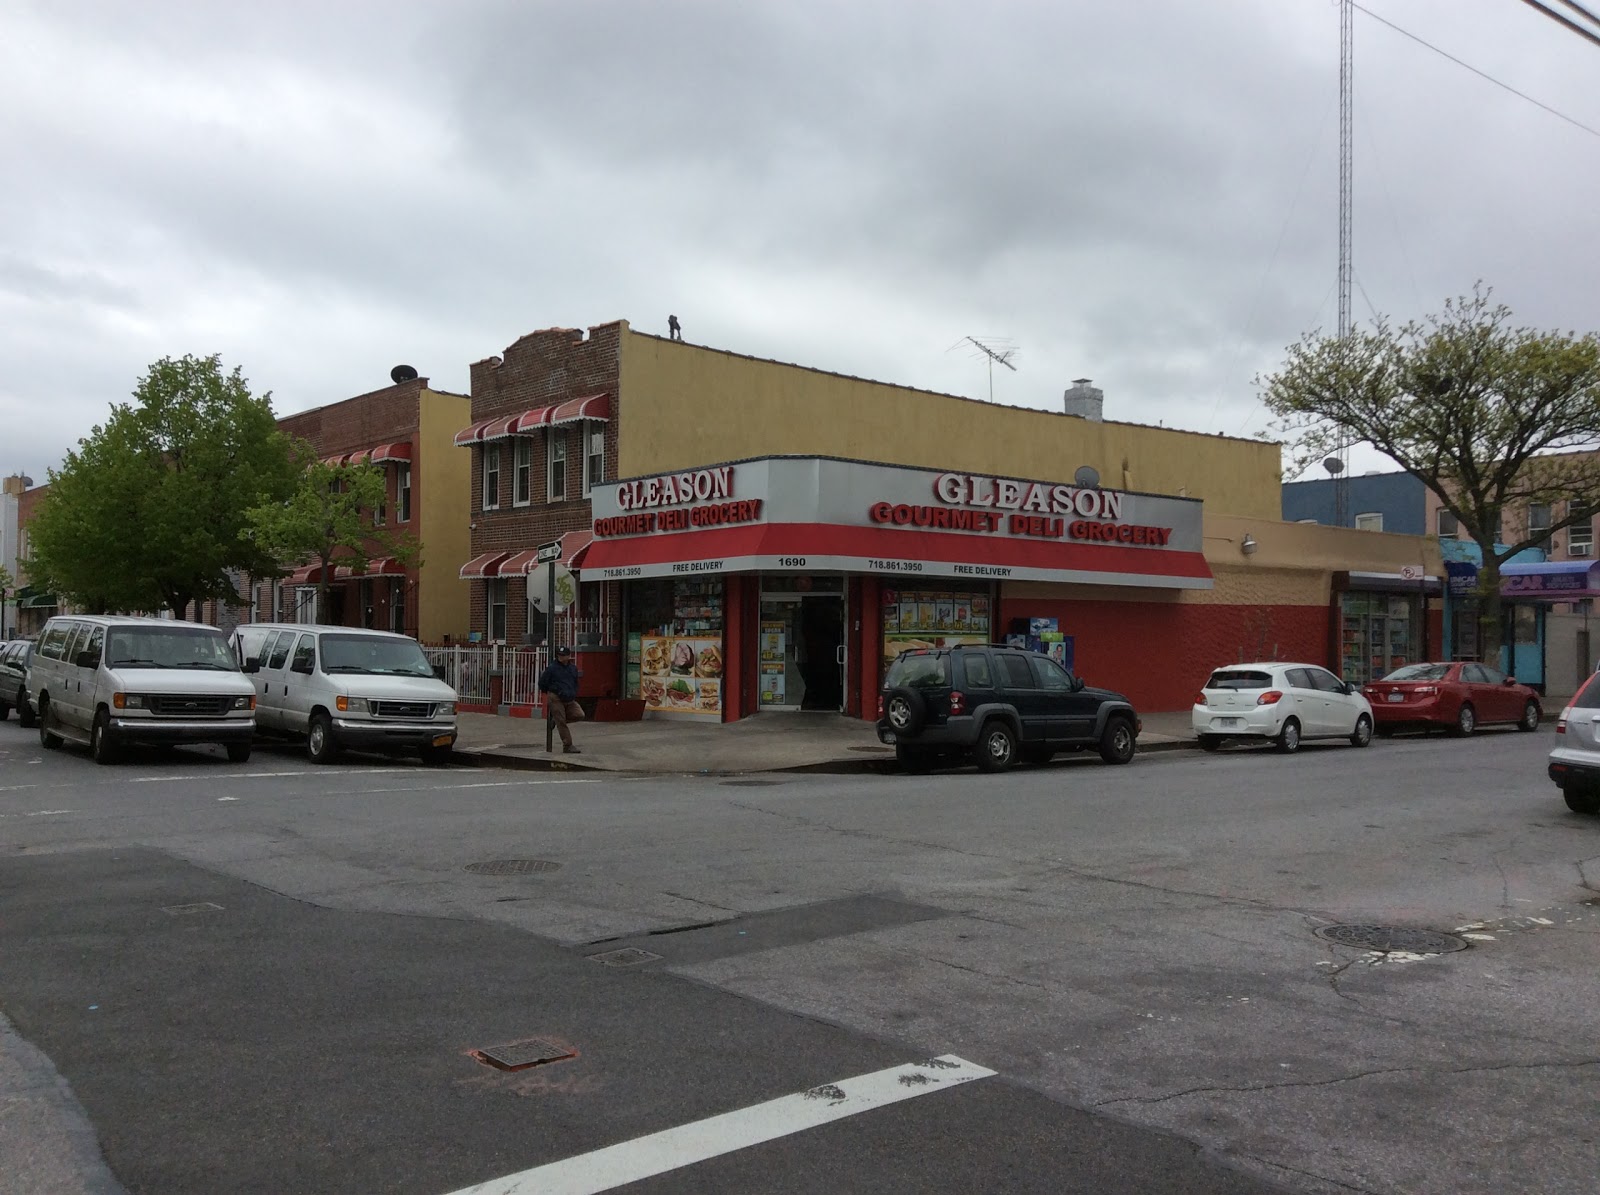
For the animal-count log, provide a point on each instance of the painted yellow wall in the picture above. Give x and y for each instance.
(1310, 545)
(683, 405)
(444, 517)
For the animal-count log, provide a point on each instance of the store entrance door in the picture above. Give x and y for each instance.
(802, 657)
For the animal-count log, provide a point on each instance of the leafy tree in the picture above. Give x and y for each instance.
(1489, 416)
(7, 585)
(149, 510)
(328, 519)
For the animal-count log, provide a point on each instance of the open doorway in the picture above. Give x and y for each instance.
(802, 653)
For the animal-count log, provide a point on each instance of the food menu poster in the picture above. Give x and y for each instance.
(932, 611)
(681, 676)
(774, 643)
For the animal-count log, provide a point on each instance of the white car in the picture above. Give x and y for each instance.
(1287, 703)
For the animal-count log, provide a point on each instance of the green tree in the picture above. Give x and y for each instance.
(1490, 416)
(328, 519)
(149, 510)
(7, 592)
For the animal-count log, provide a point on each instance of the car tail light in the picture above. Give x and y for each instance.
(958, 702)
(1426, 690)
(1270, 697)
(1561, 722)
(1202, 699)
(880, 705)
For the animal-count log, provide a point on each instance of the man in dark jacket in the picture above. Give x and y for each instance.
(559, 683)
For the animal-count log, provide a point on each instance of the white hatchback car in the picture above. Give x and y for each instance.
(1287, 703)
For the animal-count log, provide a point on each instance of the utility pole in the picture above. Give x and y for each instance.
(1341, 480)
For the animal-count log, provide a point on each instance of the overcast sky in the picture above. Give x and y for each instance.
(1144, 194)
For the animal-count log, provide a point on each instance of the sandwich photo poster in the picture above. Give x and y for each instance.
(681, 676)
(920, 620)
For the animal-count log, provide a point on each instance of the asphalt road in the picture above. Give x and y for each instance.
(274, 977)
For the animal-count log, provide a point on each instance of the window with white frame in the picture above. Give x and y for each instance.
(497, 610)
(402, 493)
(1580, 536)
(522, 471)
(1447, 526)
(1372, 520)
(491, 476)
(557, 486)
(594, 460)
(1538, 518)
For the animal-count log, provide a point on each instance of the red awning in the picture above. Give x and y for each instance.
(533, 420)
(400, 451)
(487, 565)
(500, 427)
(468, 436)
(596, 406)
(519, 564)
(572, 545)
(306, 574)
(378, 566)
(337, 459)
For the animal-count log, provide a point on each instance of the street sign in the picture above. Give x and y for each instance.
(1411, 572)
(547, 552)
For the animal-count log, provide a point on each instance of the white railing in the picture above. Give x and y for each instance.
(521, 668)
(468, 668)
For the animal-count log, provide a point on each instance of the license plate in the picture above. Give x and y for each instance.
(442, 740)
(1230, 723)
(1397, 696)
(888, 737)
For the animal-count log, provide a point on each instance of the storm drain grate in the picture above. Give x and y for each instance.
(513, 867)
(629, 956)
(1390, 939)
(204, 906)
(520, 1055)
(749, 783)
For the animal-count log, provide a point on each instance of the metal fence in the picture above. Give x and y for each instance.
(467, 668)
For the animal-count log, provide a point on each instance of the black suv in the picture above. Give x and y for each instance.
(997, 705)
(14, 657)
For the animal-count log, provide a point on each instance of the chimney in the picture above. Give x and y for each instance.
(1084, 401)
(17, 483)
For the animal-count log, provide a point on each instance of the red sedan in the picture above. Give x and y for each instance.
(1460, 696)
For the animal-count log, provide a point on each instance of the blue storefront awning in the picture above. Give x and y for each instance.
(1551, 580)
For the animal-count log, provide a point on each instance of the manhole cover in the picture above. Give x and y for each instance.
(519, 1055)
(749, 783)
(628, 956)
(1391, 939)
(512, 867)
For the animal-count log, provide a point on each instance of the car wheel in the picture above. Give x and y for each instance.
(435, 756)
(25, 715)
(1530, 717)
(1363, 732)
(1210, 742)
(102, 742)
(905, 710)
(48, 739)
(5, 711)
(914, 760)
(997, 747)
(1117, 743)
(238, 752)
(1581, 800)
(1466, 721)
(1288, 740)
(319, 739)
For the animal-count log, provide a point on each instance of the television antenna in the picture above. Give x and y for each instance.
(995, 354)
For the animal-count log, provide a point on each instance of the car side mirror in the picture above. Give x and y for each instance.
(1510, 680)
(1077, 684)
(438, 671)
(1346, 688)
(303, 666)
(87, 659)
(253, 664)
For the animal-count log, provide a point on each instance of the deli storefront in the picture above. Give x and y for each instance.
(788, 583)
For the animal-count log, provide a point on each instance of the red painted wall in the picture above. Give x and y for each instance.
(1158, 653)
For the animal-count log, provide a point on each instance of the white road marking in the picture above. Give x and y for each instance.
(440, 788)
(214, 776)
(671, 1149)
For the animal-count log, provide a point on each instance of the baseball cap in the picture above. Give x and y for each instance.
(563, 651)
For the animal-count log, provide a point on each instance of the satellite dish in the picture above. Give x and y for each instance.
(403, 373)
(1087, 476)
(1333, 465)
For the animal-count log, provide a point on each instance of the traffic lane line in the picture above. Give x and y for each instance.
(672, 1149)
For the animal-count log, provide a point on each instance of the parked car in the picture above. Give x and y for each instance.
(338, 687)
(994, 706)
(1461, 696)
(1286, 703)
(108, 681)
(1574, 763)
(14, 658)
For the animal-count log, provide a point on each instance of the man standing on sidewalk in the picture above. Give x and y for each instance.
(559, 683)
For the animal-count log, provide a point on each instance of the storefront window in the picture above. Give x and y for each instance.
(674, 647)
(947, 616)
(1379, 635)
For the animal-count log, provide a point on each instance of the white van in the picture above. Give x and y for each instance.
(339, 687)
(112, 680)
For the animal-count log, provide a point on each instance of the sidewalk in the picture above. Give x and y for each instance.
(771, 742)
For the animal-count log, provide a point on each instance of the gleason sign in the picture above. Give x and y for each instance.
(818, 514)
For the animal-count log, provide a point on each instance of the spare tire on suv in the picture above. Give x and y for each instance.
(905, 710)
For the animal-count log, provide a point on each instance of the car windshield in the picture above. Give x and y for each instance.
(918, 670)
(169, 647)
(374, 654)
(1239, 678)
(1419, 672)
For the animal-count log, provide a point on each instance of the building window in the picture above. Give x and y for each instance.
(1538, 518)
(594, 461)
(402, 494)
(497, 610)
(1371, 521)
(1449, 527)
(380, 513)
(397, 607)
(1580, 536)
(522, 458)
(558, 466)
(491, 476)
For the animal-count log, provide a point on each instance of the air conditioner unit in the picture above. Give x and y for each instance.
(1580, 549)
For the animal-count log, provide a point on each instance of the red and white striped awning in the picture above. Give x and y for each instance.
(595, 406)
(306, 574)
(378, 566)
(531, 421)
(572, 545)
(484, 566)
(398, 451)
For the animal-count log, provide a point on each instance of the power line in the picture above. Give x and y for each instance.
(1586, 34)
(1580, 9)
(1468, 66)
